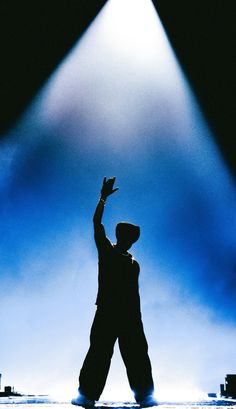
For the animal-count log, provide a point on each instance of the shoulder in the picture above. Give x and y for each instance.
(101, 239)
(134, 262)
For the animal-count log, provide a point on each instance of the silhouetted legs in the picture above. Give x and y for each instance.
(95, 368)
(134, 351)
(108, 325)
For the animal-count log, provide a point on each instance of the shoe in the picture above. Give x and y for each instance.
(148, 402)
(83, 401)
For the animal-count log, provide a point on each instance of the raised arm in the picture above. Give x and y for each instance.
(107, 190)
(97, 217)
(99, 231)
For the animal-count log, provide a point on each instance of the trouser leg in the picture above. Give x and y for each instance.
(96, 365)
(134, 351)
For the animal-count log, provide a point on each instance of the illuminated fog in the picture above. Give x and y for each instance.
(118, 105)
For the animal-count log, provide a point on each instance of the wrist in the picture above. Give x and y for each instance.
(102, 199)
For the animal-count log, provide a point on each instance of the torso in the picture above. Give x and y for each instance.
(118, 279)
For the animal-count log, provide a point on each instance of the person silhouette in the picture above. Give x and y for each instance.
(118, 315)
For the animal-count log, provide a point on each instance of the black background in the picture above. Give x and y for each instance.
(36, 35)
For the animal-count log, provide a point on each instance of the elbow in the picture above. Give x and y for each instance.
(96, 221)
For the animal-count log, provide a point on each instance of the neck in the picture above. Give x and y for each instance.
(121, 249)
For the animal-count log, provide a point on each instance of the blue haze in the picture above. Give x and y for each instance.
(119, 109)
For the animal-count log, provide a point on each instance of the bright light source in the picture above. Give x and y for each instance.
(131, 26)
(121, 105)
(121, 74)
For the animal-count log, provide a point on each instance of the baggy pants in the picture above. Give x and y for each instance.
(108, 326)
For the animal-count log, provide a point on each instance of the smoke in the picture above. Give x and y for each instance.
(142, 124)
(46, 319)
(45, 316)
(189, 347)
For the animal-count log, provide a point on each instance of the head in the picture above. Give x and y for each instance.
(127, 234)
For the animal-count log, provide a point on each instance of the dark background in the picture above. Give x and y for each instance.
(36, 35)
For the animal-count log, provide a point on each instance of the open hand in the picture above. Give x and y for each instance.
(107, 187)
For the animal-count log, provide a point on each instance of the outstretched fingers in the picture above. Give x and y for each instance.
(107, 187)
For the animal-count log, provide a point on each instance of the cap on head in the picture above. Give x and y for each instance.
(127, 232)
